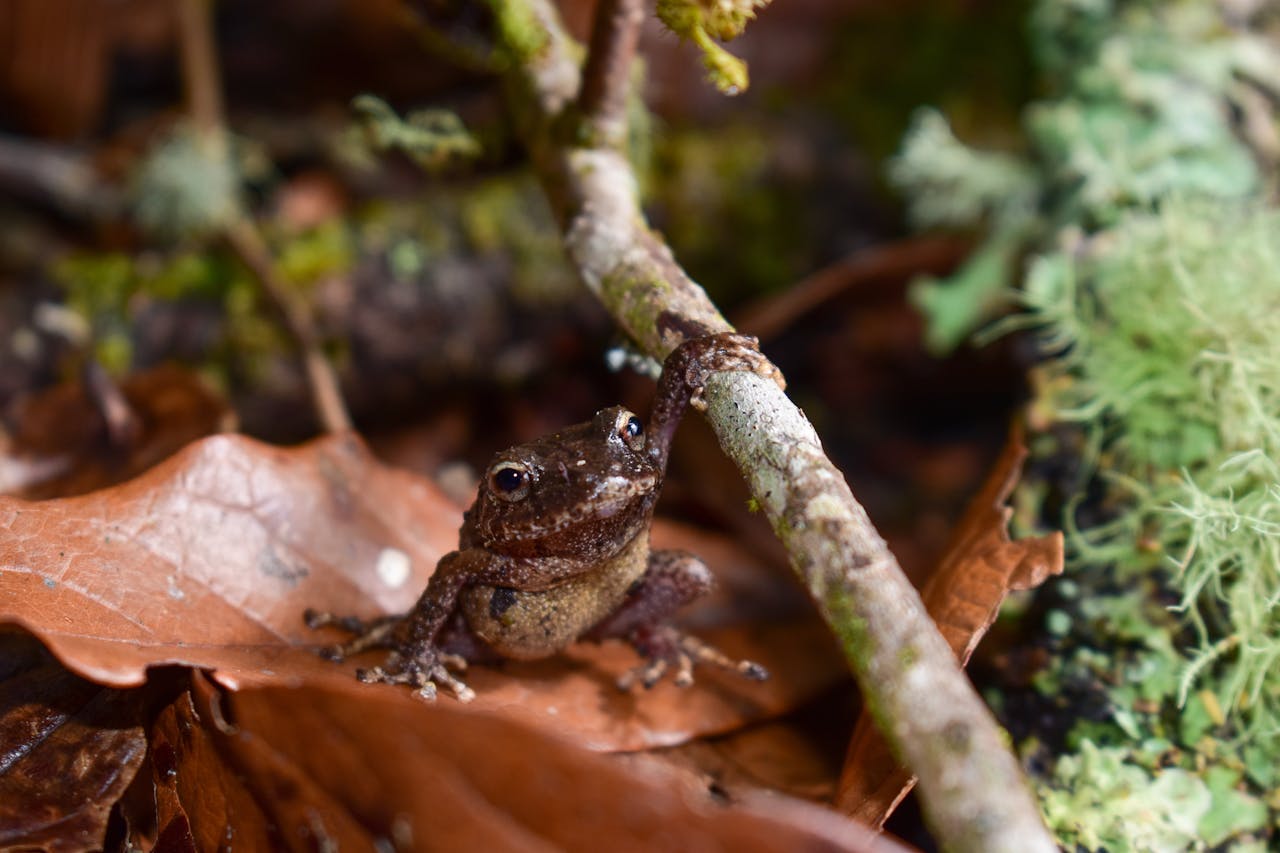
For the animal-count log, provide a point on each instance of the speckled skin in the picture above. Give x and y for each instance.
(556, 548)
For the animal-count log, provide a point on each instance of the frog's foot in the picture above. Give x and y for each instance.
(425, 671)
(664, 646)
(365, 633)
(722, 352)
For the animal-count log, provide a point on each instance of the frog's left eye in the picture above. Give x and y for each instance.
(509, 480)
(631, 431)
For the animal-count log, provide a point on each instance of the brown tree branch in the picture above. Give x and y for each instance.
(204, 101)
(972, 788)
(200, 74)
(606, 77)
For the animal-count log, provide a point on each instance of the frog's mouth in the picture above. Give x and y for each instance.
(614, 496)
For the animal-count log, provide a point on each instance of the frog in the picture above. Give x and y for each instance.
(555, 549)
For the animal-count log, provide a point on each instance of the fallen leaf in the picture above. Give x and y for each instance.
(790, 756)
(330, 771)
(204, 802)
(979, 568)
(209, 559)
(68, 750)
(59, 442)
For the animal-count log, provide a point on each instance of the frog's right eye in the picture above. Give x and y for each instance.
(509, 480)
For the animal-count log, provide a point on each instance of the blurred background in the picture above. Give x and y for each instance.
(437, 286)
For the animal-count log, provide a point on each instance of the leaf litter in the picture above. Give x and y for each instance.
(207, 561)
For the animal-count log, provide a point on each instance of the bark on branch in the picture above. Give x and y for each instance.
(973, 791)
(606, 78)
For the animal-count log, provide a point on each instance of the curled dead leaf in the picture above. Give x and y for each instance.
(963, 595)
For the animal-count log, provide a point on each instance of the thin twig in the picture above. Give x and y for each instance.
(606, 78)
(771, 315)
(468, 56)
(204, 101)
(295, 316)
(124, 427)
(971, 786)
(200, 72)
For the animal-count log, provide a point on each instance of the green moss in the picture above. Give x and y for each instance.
(434, 139)
(520, 33)
(326, 250)
(111, 290)
(703, 22)
(509, 216)
(850, 628)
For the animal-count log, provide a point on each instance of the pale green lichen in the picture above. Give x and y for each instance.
(1150, 269)
(189, 184)
(1164, 336)
(1142, 106)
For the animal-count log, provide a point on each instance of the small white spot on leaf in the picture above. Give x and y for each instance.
(393, 567)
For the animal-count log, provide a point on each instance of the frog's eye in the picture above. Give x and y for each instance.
(631, 431)
(509, 480)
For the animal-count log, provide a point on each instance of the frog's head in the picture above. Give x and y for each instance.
(587, 489)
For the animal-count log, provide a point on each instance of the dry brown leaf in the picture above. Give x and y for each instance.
(59, 443)
(209, 560)
(979, 568)
(330, 769)
(68, 750)
(782, 756)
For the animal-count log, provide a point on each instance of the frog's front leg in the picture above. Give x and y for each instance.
(673, 579)
(416, 657)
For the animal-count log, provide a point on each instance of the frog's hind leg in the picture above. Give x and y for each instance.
(673, 579)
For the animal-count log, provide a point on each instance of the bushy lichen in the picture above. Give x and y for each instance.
(1138, 226)
(1164, 332)
(1142, 99)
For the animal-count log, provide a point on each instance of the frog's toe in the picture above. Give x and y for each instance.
(665, 646)
(425, 676)
(647, 674)
(699, 652)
